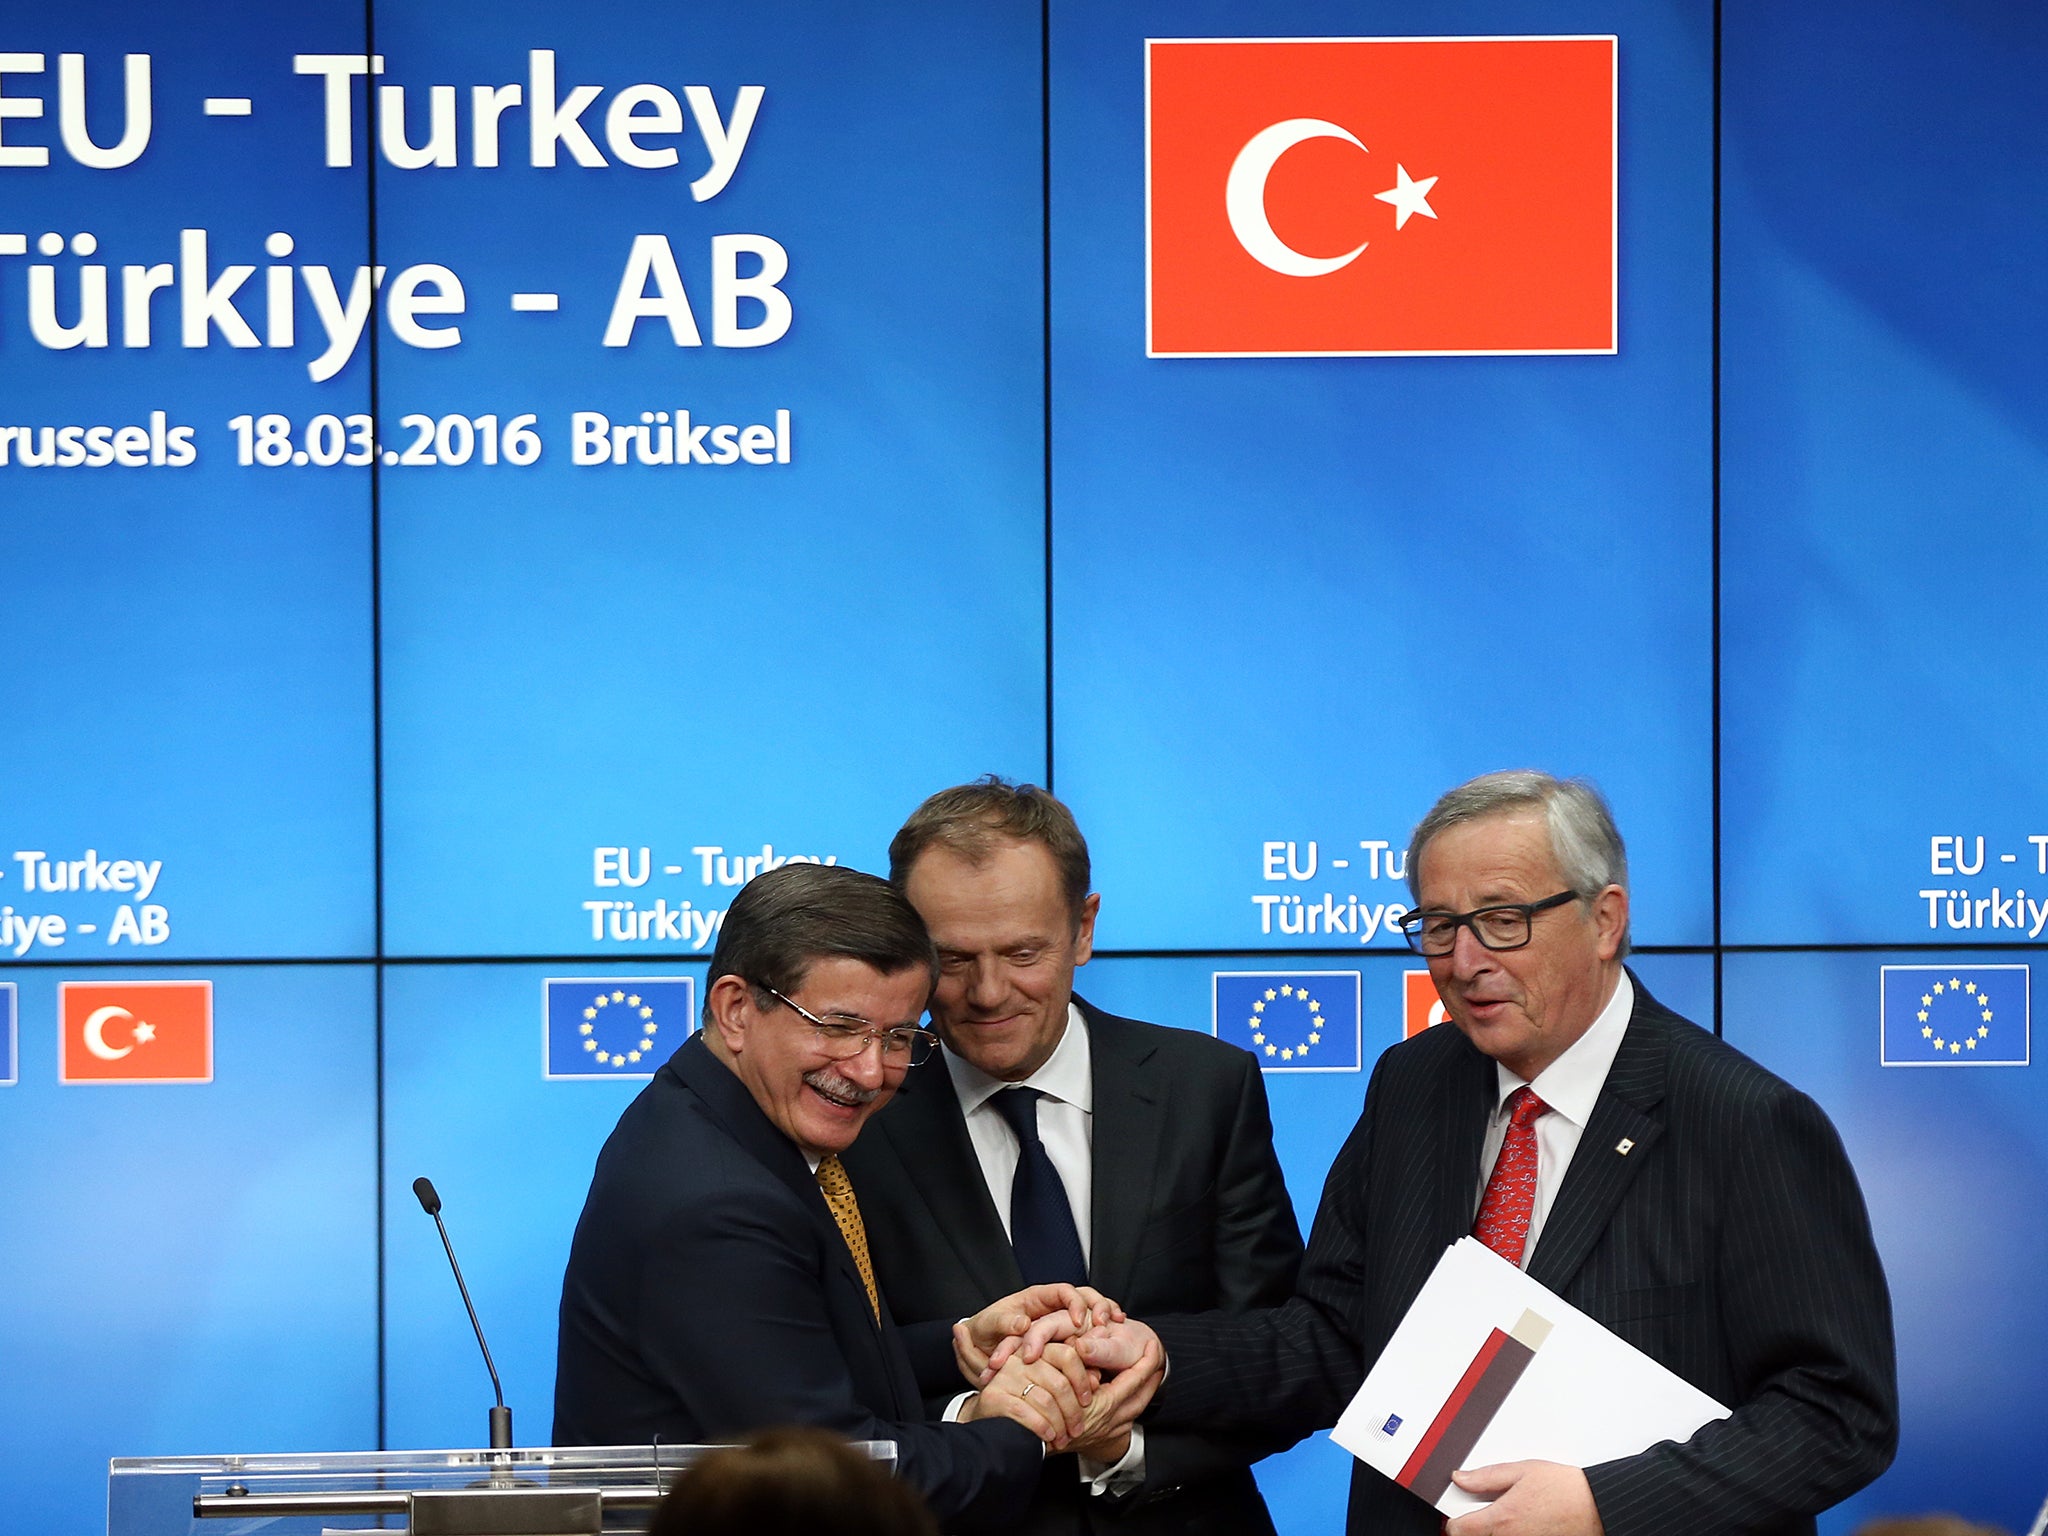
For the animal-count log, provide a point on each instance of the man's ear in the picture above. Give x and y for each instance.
(1084, 929)
(1610, 920)
(731, 1003)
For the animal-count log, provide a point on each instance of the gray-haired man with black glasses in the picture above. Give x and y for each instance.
(1654, 1177)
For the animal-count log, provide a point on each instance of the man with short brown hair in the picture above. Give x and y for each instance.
(1050, 1141)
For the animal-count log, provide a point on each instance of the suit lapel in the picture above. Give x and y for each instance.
(929, 1135)
(1617, 1138)
(733, 1106)
(1472, 1088)
(1128, 1120)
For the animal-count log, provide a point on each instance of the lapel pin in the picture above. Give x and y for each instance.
(1624, 1146)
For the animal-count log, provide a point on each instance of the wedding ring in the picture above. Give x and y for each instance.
(1027, 1390)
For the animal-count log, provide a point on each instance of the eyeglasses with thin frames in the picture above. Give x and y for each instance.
(843, 1037)
(1508, 926)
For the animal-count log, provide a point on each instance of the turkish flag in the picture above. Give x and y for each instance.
(1368, 196)
(1420, 1006)
(135, 1032)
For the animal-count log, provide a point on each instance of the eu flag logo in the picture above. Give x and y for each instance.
(621, 1028)
(1293, 1021)
(9, 1037)
(1955, 1015)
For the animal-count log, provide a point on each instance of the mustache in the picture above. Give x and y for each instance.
(832, 1085)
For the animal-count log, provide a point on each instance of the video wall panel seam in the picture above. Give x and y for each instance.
(372, 108)
(1045, 332)
(700, 957)
(1714, 535)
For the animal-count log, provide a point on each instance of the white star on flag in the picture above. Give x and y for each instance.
(1408, 196)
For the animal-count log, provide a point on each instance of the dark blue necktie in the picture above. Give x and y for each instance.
(1041, 1222)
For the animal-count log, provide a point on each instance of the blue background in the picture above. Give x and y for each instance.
(1769, 575)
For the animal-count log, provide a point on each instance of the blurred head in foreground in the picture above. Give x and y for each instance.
(791, 1482)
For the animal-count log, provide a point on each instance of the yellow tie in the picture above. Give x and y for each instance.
(838, 1191)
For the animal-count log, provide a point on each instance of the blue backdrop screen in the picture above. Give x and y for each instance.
(478, 483)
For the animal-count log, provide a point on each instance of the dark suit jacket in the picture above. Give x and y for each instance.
(1189, 1210)
(709, 1294)
(1730, 1242)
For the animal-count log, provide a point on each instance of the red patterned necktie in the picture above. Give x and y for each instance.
(1510, 1198)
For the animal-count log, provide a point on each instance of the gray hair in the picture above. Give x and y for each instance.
(1583, 838)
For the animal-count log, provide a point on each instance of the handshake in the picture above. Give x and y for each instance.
(1063, 1361)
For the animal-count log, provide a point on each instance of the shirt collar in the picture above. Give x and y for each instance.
(1067, 1075)
(1571, 1084)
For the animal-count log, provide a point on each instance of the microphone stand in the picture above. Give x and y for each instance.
(501, 1416)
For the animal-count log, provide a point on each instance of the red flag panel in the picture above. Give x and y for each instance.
(135, 1031)
(1381, 195)
(1420, 1005)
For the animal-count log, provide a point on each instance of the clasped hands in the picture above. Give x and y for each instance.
(1063, 1361)
(1066, 1363)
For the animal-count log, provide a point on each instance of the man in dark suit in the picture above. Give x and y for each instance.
(1654, 1177)
(1051, 1141)
(719, 1279)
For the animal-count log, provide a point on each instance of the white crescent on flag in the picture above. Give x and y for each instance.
(95, 1037)
(1244, 197)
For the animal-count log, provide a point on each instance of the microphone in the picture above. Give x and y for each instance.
(501, 1416)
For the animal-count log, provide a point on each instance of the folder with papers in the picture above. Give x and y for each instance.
(1489, 1366)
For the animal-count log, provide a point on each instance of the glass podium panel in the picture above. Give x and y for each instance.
(549, 1491)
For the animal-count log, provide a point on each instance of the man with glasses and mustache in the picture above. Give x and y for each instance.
(1654, 1177)
(720, 1280)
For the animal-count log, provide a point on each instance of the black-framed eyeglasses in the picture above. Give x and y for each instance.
(843, 1037)
(1507, 926)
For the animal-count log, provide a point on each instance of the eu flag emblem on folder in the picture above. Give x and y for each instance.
(1955, 1015)
(622, 1027)
(1293, 1021)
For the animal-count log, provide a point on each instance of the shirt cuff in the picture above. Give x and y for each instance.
(1101, 1478)
(952, 1416)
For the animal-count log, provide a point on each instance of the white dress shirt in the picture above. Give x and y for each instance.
(1066, 1126)
(1066, 1122)
(1569, 1085)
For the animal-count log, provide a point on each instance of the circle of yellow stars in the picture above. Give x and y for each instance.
(1257, 1023)
(632, 1001)
(1980, 1000)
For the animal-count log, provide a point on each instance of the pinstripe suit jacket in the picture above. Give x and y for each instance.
(1730, 1242)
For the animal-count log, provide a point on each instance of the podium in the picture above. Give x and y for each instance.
(547, 1491)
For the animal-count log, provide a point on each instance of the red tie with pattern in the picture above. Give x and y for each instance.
(1510, 1199)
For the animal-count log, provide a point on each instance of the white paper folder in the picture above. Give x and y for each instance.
(1489, 1366)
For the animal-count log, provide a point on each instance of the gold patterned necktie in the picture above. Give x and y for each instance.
(838, 1192)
